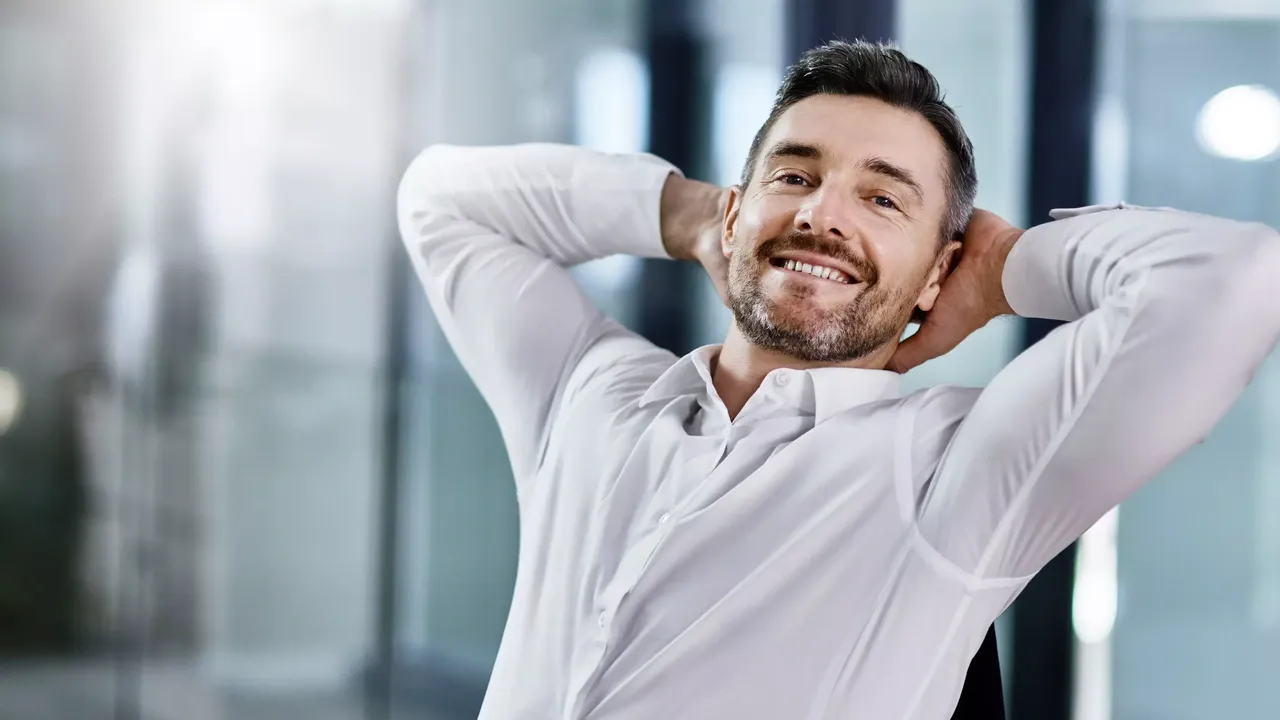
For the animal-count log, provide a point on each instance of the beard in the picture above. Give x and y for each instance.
(800, 328)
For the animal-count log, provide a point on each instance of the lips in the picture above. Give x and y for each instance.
(805, 260)
(803, 252)
(822, 272)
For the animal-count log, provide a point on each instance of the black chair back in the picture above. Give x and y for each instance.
(983, 695)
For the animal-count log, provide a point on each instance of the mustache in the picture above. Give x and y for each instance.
(805, 242)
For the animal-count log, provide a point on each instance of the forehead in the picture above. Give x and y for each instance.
(851, 128)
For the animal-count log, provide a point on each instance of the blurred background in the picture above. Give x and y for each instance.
(241, 476)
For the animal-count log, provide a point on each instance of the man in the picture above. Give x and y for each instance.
(767, 528)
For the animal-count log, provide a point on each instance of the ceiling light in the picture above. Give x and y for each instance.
(1241, 123)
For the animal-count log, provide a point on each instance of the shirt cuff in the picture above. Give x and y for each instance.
(620, 201)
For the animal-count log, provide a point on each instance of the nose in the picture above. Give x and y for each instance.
(826, 214)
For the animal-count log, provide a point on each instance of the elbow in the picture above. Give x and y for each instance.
(1245, 295)
(421, 192)
(1222, 282)
(1263, 269)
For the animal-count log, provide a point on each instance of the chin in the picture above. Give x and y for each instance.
(801, 310)
(798, 327)
(799, 315)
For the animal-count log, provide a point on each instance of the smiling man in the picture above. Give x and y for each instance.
(841, 308)
(768, 528)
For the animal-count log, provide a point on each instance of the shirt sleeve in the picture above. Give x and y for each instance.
(491, 232)
(1169, 315)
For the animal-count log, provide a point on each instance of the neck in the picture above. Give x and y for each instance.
(741, 367)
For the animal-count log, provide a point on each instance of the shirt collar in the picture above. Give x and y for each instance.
(824, 392)
(690, 375)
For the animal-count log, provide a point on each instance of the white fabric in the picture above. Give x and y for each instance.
(838, 550)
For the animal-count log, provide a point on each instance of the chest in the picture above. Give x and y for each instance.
(623, 498)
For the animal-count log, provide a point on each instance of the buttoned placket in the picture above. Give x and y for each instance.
(639, 556)
(637, 559)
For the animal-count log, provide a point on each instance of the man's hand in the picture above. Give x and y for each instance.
(972, 294)
(692, 217)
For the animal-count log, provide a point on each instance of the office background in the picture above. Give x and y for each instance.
(241, 475)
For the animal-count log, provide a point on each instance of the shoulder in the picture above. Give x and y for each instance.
(616, 368)
(600, 409)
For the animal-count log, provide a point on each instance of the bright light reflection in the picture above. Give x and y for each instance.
(1093, 610)
(611, 101)
(1241, 123)
(10, 400)
(741, 103)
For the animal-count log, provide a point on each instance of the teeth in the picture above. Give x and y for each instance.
(817, 271)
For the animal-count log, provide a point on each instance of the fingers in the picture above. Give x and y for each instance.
(929, 342)
(909, 354)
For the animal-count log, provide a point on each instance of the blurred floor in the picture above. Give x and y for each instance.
(86, 691)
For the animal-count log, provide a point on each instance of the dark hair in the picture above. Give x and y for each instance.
(882, 72)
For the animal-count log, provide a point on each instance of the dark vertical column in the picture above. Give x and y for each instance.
(811, 23)
(380, 689)
(379, 677)
(677, 55)
(1065, 38)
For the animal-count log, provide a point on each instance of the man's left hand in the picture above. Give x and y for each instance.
(971, 296)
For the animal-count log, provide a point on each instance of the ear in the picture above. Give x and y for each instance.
(938, 273)
(729, 227)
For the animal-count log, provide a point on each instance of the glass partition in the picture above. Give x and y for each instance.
(1189, 625)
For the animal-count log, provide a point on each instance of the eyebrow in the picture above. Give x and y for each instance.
(897, 173)
(792, 149)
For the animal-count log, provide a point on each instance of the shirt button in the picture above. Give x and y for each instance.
(665, 517)
(781, 379)
(601, 620)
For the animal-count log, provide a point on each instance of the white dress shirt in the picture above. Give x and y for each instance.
(838, 550)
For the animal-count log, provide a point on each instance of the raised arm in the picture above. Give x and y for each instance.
(491, 231)
(1170, 315)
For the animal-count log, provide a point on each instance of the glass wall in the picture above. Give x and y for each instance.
(1190, 118)
(197, 453)
(979, 52)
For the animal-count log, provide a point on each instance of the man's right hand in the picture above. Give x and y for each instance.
(692, 218)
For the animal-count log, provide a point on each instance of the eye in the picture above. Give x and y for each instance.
(792, 179)
(885, 202)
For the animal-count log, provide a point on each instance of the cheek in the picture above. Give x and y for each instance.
(904, 263)
(762, 219)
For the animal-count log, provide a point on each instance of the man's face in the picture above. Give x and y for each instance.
(853, 186)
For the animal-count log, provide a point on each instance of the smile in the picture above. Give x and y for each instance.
(818, 271)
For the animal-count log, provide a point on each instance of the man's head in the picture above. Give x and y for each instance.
(860, 169)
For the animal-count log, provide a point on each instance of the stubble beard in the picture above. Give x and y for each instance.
(874, 318)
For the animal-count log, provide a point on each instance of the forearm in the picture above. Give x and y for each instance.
(691, 216)
(565, 203)
(1149, 259)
